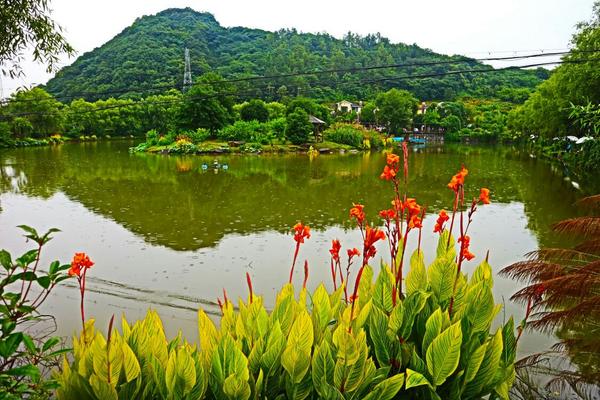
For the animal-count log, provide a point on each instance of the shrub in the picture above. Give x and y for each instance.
(277, 127)
(152, 137)
(354, 135)
(249, 131)
(26, 355)
(167, 139)
(199, 135)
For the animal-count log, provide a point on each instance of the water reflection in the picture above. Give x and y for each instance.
(185, 203)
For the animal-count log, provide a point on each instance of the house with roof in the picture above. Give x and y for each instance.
(345, 106)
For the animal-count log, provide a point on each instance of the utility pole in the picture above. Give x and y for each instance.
(187, 74)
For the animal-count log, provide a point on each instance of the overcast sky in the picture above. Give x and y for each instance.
(470, 27)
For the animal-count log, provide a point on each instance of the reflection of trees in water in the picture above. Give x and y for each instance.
(146, 194)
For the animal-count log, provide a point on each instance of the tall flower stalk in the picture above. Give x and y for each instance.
(301, 232)
(79, 267)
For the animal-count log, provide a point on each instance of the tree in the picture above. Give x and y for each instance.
(368, 112)
(27, 23)
(396, 109)
(42, 111)
(254, 110)
(207, 104)
(298, 127)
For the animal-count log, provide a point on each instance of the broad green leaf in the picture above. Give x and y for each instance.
(396, 318)
(387, 389)
(321, 312)
(347, 348)
(382, 292)
(301, 335)
(378, 327)
(102, 389)
(509, 350)
(296, 362)
(275, 346)
(5, 260)
(417, 276)
(441, 274)
(322, 367)
(489, 366)
(236, 388)
(131, 365)
(443, 249)
(413, 305)
(474, 362)
(483, 273)
(444, 353)
(433, 327)
(414, 379)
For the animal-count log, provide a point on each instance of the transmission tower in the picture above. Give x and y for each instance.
(187, 75)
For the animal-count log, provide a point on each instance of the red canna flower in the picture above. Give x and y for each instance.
(439, 224)
(335, 249)
(484, 196)
(80, 262)
(301, 232)
(414, 221)
(372, 235)
(357, 213)
(353, 252)
(465, 242)
(388, 214)
(458, 180)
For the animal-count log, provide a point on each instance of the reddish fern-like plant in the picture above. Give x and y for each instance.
(562, 294)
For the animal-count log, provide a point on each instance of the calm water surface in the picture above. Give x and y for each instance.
(167, 234)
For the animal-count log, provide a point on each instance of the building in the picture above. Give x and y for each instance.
(348, 106)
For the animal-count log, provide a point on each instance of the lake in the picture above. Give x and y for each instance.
(170, 232)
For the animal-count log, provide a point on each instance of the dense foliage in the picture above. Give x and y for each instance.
(27, 353)
(147, 58)
(547, 112)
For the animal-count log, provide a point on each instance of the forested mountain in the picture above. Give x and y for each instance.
(148, 58)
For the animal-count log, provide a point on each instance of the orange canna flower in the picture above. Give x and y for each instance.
(393, 160)
(466, 241)
(80, 262)
(439, 224)
(458, 180)
(415, 222)
(301, 232)
(357, 212)
(484, 196)
(388, 173)
(335, 249)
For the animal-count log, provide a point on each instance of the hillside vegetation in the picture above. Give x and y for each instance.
(148, 57)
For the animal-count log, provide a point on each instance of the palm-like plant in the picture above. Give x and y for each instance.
(563, 296)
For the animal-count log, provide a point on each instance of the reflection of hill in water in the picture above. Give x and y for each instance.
(171, 201)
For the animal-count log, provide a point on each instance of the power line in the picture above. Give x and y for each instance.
(363, 81)
(321, 72)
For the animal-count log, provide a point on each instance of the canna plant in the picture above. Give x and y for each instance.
(377, 336)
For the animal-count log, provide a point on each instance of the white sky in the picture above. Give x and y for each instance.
(470, 27)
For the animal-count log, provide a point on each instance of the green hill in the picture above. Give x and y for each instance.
(147, 58)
